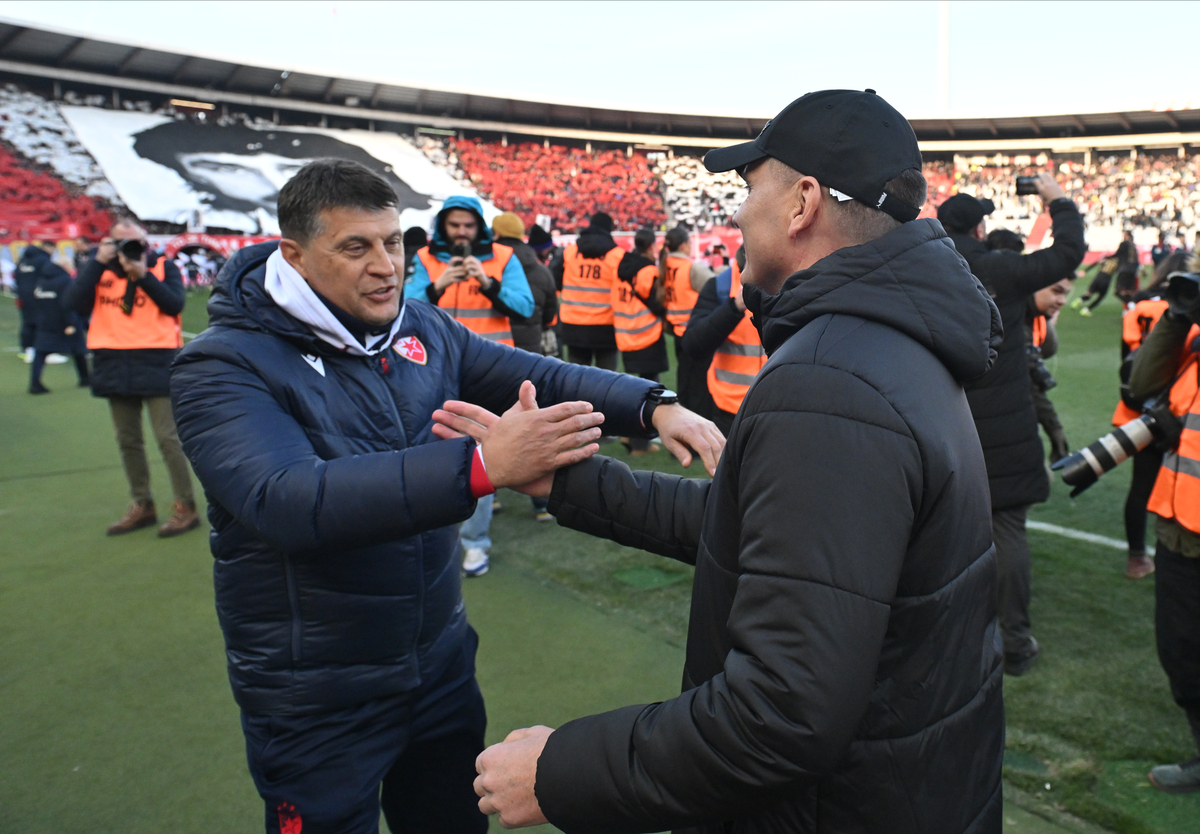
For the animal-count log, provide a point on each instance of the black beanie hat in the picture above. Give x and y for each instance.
(539, 238)
(600, 220)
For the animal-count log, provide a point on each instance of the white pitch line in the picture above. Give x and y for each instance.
(1076, 534)
(187, 335)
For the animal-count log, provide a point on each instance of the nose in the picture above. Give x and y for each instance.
(380, 263)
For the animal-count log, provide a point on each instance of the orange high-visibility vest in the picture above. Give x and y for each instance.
(145, 327)
(738, 360)
(1177, 490)
(681, 298)
(465, 299)
(636, 327)
(1039, 331)
(1136, 325)
(588, 286)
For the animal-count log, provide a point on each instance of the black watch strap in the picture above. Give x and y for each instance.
(657, 397)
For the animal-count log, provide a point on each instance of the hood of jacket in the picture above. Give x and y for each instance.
(911, 279)
(631, 265)
(439, 244)
(595, 243)
(240, 300)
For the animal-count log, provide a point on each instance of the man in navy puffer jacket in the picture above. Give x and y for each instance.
(306, 410)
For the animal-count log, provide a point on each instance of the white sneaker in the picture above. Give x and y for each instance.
(475, 562)
(27, 355)
(56, 359)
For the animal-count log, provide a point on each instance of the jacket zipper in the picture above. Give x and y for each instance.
(293, 603)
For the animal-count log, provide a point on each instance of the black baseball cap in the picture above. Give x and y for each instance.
(853, 142)
(962, 212)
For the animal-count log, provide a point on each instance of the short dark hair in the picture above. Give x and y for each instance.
(1005, 239)
(329, 183)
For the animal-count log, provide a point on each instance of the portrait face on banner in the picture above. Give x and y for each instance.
(238, 169)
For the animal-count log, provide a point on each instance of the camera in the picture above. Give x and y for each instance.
(460, 250)
(1183, 295)
(1038, 371)
(132, 248)
(1027, 185)
(1085, 467)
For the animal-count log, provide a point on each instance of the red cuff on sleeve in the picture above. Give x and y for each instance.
(480, 484)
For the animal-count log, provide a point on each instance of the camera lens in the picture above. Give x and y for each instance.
(133, 249)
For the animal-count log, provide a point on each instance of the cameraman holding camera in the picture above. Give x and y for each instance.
(1001, 401)
(134, 297)
(481, 284)
(1167, 359)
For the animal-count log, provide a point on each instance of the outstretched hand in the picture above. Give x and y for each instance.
(524, 447)
(507, 774)
(684, 432)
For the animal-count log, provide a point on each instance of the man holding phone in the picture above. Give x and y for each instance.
(134, 297)
(481, 284)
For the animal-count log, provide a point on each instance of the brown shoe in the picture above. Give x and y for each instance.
(183, 519)
(140, 514)
(1139, 566)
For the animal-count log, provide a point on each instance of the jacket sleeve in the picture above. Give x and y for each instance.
(1158, 359)
(419, 286)
(651, 511)
(168, 293)
(256, 461)
(550, 305)
(556, 269)
(1011, 275)
(710, 324)
(82, 296)
(814, 583)
(512, 296)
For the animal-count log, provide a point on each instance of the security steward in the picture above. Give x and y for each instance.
(464, 272)
(134, 297)
(683, 280)
(1169, 358)
(587, 272)
(637, 301)
(721, 333)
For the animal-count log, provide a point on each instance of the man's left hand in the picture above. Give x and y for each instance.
(134, 270)
(475, 270)
(507, 774)
(684, 432)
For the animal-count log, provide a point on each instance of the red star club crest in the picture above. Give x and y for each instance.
(410, 348)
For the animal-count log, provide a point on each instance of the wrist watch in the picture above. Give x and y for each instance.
(654, 399)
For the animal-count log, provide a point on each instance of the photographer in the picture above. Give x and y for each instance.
(1168, 359)
(1042, 343)
(1001, 401)
(134, 297)
(481, 284)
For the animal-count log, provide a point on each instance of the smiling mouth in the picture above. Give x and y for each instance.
(381, 292)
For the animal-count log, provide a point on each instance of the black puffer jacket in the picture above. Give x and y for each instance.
(334, 508)
(527, 332)
(1001, 401)
(843, 663)
(138, 372)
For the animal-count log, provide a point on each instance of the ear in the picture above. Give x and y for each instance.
(804, 205)
(293, 253)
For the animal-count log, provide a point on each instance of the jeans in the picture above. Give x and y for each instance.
(474, 531)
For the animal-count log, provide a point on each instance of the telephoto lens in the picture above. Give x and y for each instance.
(1183, 295)
(1085, 467)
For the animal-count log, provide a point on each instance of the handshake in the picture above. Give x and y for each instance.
(525, 446)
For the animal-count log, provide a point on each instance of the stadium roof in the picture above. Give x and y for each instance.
(76, 58)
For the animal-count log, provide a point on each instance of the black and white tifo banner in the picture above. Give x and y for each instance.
(168, 169)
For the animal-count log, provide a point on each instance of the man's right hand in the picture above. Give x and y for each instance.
(106, 252)
(527, 444)
(454, 274)
(1048, 187)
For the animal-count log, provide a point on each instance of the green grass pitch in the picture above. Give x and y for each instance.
(117, 714)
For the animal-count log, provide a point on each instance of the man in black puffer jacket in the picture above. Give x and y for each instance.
(843, 663)
(306, 410)
(1002, 403)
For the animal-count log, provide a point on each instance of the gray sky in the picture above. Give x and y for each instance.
(709, 57)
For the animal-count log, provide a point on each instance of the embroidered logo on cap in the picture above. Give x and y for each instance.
(410, 348)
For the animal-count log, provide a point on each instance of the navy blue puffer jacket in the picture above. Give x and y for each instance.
(333, 506)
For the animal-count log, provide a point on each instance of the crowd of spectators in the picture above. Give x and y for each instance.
(696, 197)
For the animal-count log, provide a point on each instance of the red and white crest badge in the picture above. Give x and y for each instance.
(410, 348)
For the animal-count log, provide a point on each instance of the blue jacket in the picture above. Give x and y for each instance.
(333, 506)
(514, 293)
